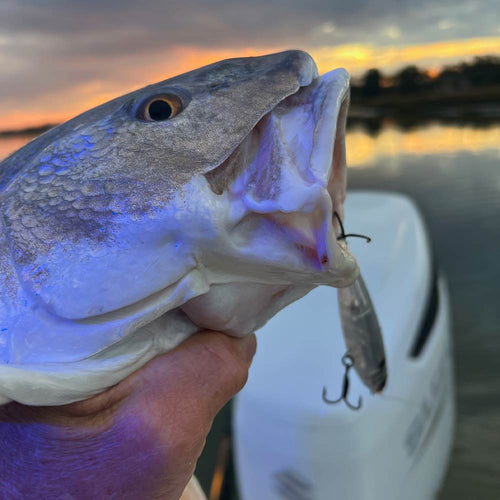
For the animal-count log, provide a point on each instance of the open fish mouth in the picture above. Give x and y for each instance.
(297, 180)
(287, 237)
(306, 227)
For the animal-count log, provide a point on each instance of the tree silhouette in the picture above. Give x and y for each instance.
(483, 71)
(409, 80)
(371, 83)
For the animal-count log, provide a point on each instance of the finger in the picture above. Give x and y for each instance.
(204, 372)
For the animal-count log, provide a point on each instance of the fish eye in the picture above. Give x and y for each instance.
(160, 108)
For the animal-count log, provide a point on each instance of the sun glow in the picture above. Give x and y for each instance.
(57, 106)
(359, 58)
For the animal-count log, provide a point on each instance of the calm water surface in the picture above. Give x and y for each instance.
(453, 174)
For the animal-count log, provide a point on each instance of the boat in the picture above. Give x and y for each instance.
(291, 444)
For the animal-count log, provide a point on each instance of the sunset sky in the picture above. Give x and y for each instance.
(60, 57)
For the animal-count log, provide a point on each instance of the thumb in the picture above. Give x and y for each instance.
(179, 393)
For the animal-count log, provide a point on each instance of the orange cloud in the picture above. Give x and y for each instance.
(356, 58)
(60, 106)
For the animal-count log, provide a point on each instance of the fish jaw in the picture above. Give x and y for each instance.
(282, 205)
(280, 238)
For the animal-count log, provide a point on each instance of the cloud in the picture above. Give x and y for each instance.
(359, 57)
(392, 32)
(112, 26)
(57, 54)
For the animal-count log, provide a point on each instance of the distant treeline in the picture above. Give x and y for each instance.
(482, 72)
(463, 93)
(30, 131)
(467, 93)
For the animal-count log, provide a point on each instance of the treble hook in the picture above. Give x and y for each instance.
(348, 362)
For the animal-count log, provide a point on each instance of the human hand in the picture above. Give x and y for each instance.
(138, 440)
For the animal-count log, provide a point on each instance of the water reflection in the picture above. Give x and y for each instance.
(453, 175)
(364, 148)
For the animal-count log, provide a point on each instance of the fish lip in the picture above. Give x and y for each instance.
(330, 174)
(336, 182)
(339, 143)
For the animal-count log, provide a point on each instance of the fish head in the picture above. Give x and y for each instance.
(214, 185)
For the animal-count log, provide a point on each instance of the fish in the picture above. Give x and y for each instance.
(203, 201)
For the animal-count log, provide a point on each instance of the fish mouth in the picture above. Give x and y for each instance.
(315, 226)
(291, 170)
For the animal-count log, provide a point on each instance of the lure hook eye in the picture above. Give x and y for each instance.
(348, 362)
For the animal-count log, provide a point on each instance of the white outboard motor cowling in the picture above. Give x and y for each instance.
(290, 444)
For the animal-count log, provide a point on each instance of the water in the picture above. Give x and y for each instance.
(453, 173)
